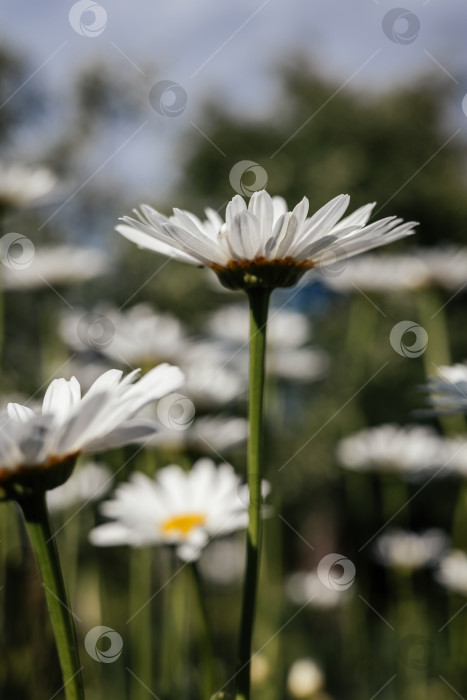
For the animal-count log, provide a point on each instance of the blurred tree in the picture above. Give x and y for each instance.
(322, 140)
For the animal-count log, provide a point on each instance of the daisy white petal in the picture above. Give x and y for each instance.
(261, 206)
(325, 218)
(136, 234)
(19, 412)
(358, 218)
(136, 430)
(60, 398)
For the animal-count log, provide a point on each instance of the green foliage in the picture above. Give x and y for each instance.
(321, 140)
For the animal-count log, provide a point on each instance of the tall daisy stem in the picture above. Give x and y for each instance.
(38, 526)
(259, 304)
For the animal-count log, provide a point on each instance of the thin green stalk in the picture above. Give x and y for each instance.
(37, 523)
(141, 626)
(259, 303)
(207, 664)
(141, 565)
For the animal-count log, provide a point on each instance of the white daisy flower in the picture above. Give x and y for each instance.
(299, 364)
(380, 273)
(262, 244)
(138, 336)
(212, 379)
(402, 549)
(223, 562)
(52, 265)
(287, 332)
(405, 449)
(143, 337)
(452, 572)
(286, 328)
(305, 679)
(183, 509)
(20, 185)
(38, 448)
(457, 446)
(307, 587)
(204, 434)
(446, 266)
(88, 483)
(449, 390)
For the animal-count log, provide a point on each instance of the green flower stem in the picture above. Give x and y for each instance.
(37, 522)
(207, 656)
(140, 592)
(141, 625)
(259, 303)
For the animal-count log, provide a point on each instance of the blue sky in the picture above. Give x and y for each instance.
(229, 51)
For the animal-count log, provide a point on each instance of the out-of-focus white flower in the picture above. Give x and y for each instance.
(139, 336)
(299, 364)
(211, 377)
(38, 448)
(304, 679)
(145, 337)
(88, 483)
(379, 273)
(223, 562)
(452, 572)
(58, 265)
(406, 449)
(446, 267)
(443, 267)
(457, 447)
(402, 549)
(448, 392)
(205, 434)
(286, 329)
(287, 332)
(262, 244)
(184, 509)
(20, 185)
(307, 587)
(260, 669)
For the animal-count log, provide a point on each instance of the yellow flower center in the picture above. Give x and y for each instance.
(183, 524)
